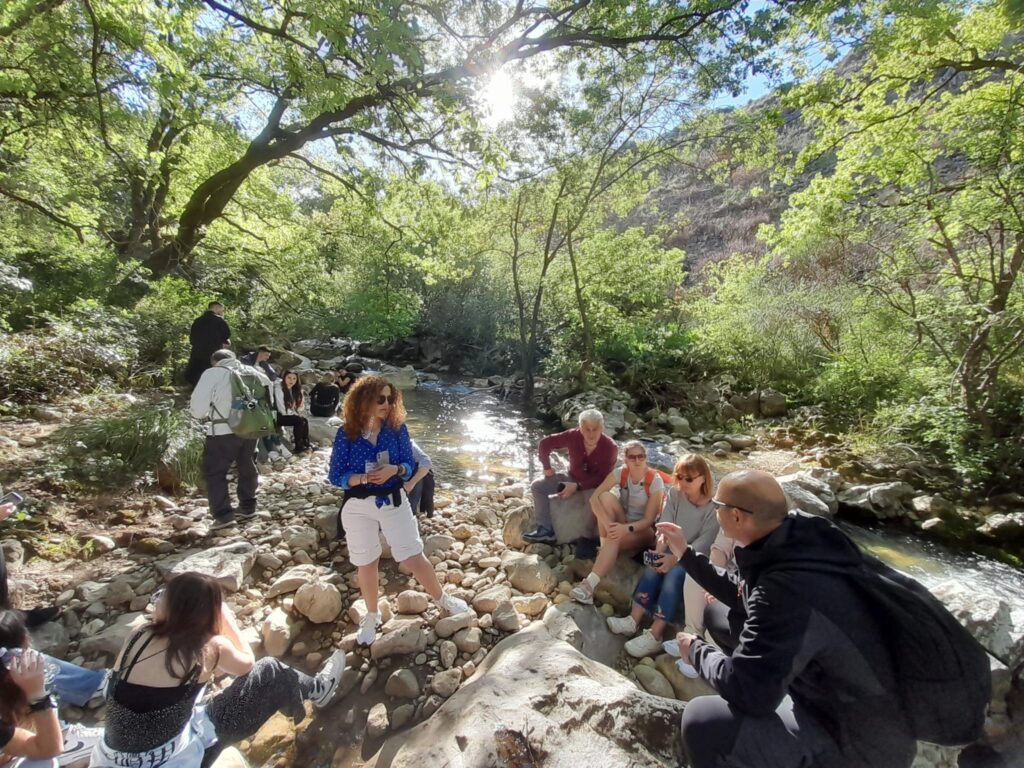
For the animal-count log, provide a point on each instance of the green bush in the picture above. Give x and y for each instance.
(132, 446)
(88, 348)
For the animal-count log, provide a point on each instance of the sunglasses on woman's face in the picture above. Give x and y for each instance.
(389, 399)
(636, 456)
(686, 478)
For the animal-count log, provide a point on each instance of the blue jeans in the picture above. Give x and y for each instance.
(76, 685)
(660, 595)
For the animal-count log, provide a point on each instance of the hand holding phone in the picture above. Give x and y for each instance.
(12, 498)
(651, 557)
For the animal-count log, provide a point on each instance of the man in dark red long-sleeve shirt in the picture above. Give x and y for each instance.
(592, 455)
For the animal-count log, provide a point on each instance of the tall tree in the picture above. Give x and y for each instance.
(180, 104)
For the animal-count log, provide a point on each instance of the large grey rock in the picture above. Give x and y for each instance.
(324, 429)
(517, 523)
(292, 579)
(528, 573)
(109, 641)
(772, 403)
(319, 602)
(811, 493)
(407, 639)
(586, 630)
(987, 617)
(573, 518)
(51, 638)
(611, 402)
(536, 690)
(229, 563)
(402, 684)
(278, 632)
(489, 599)
(653, 681)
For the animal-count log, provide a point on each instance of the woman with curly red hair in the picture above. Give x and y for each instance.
(372, 458)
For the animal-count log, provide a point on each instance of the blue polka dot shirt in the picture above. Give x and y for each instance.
(350, 457)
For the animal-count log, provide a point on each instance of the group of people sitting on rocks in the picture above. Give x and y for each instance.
(801, 669)
(798, 657)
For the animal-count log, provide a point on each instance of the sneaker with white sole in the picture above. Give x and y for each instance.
(583, 593)
(78, 743)
(644, 644)
(671, 647)
(220, 525)
(368, 629)
(451, 604)
(326, 682)
(687, 669)
(622, 625)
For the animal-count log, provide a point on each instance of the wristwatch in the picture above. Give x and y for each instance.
(43, 704)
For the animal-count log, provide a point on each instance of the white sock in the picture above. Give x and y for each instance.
(593, 579)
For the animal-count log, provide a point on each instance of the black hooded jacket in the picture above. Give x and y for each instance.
(810, 635)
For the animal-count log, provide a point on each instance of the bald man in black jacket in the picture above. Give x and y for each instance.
(811, 682)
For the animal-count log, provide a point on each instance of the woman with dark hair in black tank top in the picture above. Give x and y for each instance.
(154, 714)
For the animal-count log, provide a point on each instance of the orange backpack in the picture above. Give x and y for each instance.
(648, 479)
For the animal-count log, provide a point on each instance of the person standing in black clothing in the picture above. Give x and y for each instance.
(811, 681)
(209, 333)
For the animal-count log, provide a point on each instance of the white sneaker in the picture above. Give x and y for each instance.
(78, 743)
(325, 684)
(583, 593)
(452, 605)
(273, 455)
(622, 625)
(284, 453)
(368, 629)
(644, 644)
(687, 669)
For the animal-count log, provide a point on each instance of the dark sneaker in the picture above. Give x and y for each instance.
(224, 522)
(585, 549)
(540, 536)
(244, 515)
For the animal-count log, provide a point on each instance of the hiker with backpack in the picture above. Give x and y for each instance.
(288, 399)
(232, 400)
(841, 661)
(659, 594)
(625, 521)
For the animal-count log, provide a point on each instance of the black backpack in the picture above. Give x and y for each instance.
(942, 673)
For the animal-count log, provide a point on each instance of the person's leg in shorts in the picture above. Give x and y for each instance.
(403, 536)
(361, 520)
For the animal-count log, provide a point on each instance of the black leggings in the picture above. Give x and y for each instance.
(245, 705)
(300, 429)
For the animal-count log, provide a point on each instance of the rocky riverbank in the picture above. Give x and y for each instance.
(511, 677)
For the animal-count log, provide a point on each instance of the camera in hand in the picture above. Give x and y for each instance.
(651, 557)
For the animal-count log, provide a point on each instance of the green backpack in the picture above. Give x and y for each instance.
(251, 414)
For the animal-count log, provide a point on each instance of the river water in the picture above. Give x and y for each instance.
(475, 440)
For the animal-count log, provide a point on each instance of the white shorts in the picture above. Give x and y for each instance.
(363, 520)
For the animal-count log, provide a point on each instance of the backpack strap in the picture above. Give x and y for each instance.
(624, 479)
